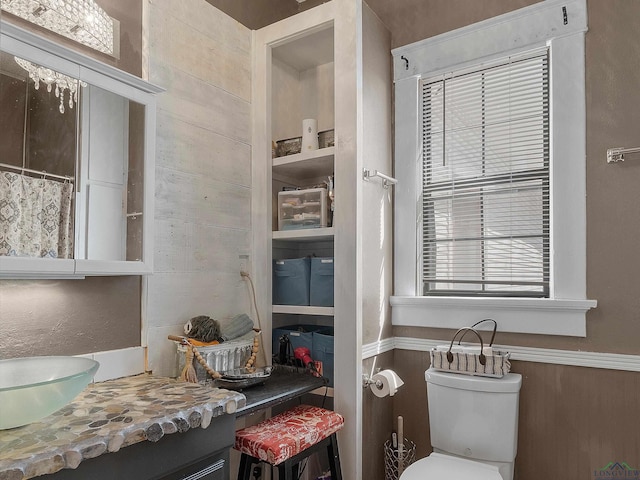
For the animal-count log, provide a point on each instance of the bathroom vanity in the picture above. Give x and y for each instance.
(144, 427)
(199, 453)
(141, 427)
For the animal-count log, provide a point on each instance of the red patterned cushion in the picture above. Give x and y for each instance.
(287, 434)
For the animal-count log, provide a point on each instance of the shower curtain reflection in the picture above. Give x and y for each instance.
(35, 217)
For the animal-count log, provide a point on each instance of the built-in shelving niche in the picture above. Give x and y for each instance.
(302, 86)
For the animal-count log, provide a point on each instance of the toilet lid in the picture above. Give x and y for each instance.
(445, 467)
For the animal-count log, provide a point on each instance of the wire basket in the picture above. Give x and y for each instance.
(391, 470)
(223, 357)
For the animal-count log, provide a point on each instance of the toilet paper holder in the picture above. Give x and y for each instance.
(367, 381)
(381, 386)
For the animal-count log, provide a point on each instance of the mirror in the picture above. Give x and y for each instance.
(37, 134)
(111, 180)
(77, 162)
(72, 166)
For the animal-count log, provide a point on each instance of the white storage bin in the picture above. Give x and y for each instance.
(298, 209)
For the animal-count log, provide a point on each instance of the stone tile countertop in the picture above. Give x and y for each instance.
(108, 416)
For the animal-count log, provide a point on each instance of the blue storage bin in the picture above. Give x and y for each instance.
(299, 336)
(323, 351)
(291, 281)
(321, 282)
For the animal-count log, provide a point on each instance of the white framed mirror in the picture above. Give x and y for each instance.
(77, 147)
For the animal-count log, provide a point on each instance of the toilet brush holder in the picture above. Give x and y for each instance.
(392, 468)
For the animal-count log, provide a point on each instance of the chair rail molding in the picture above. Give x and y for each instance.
(577, 358)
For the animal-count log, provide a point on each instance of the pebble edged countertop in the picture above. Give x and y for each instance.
(108, 416)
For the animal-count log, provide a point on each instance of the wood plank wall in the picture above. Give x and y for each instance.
(203, 169)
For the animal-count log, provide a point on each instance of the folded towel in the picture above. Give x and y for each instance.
(235, 327)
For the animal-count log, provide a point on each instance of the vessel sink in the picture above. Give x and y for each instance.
(32, 388)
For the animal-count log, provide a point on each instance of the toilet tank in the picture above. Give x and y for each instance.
(474, 417)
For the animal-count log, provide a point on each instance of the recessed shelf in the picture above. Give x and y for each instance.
(304, 235)
(306, 164)
(302, 310)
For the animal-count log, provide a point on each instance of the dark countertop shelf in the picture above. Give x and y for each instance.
(284, 383)
(138, 410)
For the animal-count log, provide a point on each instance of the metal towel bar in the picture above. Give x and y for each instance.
(617, 154)
(386, 180)
(37, 172)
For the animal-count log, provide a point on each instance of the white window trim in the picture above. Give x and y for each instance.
(564, 313)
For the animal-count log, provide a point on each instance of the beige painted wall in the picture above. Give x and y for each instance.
(376, 239)
(255, 14)
(413, 20)
(68, 317)
(377, 206)
(613, 116)
(572, 420)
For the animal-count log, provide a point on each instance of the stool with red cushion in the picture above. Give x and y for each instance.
(285, 440)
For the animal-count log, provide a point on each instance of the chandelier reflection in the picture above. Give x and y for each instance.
(80, 20)
(52, 79)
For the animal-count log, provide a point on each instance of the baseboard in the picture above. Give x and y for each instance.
(119, 363)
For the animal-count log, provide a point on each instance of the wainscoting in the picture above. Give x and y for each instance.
(573, 420)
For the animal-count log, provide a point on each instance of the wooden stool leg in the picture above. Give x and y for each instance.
(244, 472)
(334, 458)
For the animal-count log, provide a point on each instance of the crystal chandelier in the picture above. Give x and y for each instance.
(80, 20)
(50, 78)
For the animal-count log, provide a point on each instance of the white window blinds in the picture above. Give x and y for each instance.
(485, 189)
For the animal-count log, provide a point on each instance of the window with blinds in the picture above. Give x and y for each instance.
(485, 180)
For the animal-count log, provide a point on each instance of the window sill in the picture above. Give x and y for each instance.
(538, 316)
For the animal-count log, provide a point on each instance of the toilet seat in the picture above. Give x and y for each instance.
(444, 467)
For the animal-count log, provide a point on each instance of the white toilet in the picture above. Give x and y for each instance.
(474, 428)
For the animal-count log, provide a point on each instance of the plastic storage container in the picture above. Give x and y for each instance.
(322, 351)
(291, 281)
(321, 282)
(299, 209)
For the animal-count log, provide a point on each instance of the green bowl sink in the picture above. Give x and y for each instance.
(32, 388)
